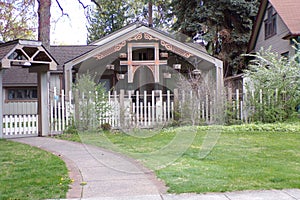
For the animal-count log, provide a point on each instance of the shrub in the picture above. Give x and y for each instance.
(106, 127)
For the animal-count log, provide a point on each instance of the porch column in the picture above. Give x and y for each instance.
(43, 113)
(68, 77)
(1, 104)
(219, 92)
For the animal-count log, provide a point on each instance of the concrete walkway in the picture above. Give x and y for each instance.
(104, 175)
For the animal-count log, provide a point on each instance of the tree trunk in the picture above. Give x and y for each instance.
(44, 22)
(150, 18)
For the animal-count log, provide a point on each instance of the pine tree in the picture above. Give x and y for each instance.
(224, 26)
(113, 15)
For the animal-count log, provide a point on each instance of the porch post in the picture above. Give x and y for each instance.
(1, 104)
(43, 113)
(68, 77)
(219, 91)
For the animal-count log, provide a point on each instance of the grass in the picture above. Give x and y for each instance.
(247, 157)
(30, 173)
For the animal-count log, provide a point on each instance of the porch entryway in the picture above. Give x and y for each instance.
(30, 55)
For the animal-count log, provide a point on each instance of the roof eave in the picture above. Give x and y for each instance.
(257, 25)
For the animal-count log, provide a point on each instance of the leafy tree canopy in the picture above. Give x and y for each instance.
(17, 19)
(224, 26)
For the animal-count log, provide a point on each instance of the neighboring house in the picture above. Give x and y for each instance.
(277, 24)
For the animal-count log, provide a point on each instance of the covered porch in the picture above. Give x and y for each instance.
(30, 55)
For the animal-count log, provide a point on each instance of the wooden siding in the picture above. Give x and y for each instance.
(276, 42)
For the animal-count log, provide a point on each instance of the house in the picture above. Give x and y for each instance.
(134, 58)
(277, 24)
(141, 58)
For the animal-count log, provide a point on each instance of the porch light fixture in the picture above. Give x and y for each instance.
(21, 63)
(112, 67)
(177, 66)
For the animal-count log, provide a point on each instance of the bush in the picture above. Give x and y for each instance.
(106, 127)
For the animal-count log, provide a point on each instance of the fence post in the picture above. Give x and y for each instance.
(122, 108)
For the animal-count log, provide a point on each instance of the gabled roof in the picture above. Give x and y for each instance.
(288, 10)
(15, 54)
(133, 30)
(5, 48)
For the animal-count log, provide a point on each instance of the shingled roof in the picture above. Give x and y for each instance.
(63, 54)
(17, 76)
(5, 48)
(288, 10)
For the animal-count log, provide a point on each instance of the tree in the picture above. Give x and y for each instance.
(224, 26)
(110, 16)
(44, 22)
(107, 18)
(274, 86)
(17, 19)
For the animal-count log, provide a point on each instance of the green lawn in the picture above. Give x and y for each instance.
(243, 157)
(30, 173)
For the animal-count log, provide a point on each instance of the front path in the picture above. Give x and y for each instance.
(111, 176)
(98, 172)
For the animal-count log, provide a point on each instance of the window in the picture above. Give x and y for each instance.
(22, 94)
(142, 54)
(270, 24)
(285, 54)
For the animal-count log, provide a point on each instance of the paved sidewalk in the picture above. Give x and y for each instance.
(111, 176)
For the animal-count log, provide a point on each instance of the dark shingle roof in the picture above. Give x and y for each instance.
(64, 54)
(5, 48)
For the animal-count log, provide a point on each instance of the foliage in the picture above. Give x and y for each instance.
(90, 102)
(18, 19)
(106, 127)
(274, 86)
(30, 173)
(223, 25)
(111, 16)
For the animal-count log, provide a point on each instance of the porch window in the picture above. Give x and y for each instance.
(19, 94)
(270, 23)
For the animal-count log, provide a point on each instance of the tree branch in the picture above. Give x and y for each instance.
(61, 8)
(96, 3)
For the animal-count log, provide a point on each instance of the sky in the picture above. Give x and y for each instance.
(68, 30)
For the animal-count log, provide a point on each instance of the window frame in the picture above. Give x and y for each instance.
(270, 23)
(31, 91)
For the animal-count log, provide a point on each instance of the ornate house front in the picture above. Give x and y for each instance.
(139, 58)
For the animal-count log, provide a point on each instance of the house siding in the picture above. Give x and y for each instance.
(276, 42)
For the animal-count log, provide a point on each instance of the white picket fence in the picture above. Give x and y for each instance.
(20, 125)
(135, 110)
(129, 109)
